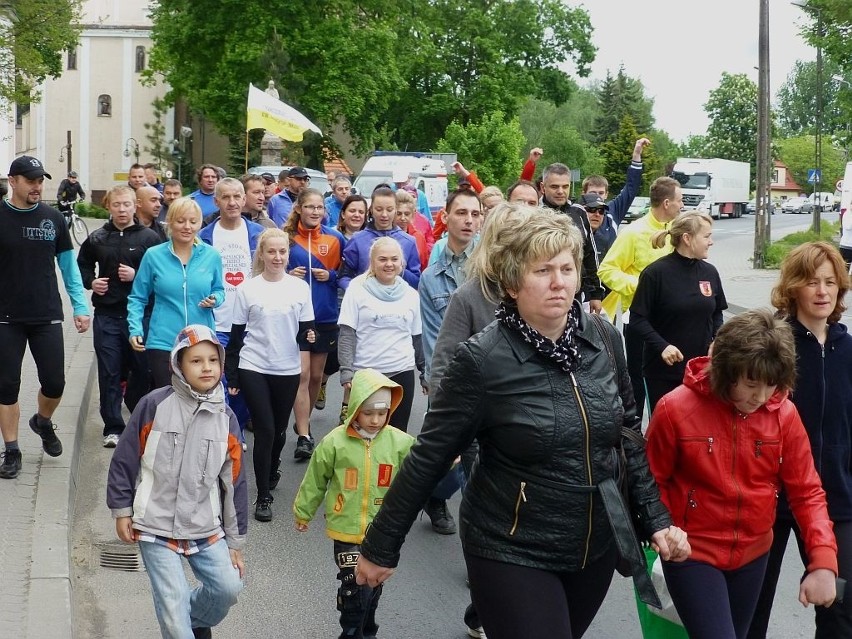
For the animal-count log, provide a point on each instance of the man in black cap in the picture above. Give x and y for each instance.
(32, 236)
(280, 205)
(69, 191)
(269, 184)
(596, 210)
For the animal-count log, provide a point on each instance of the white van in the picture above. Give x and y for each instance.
(429, 175)
(824, 199)
(846, 192)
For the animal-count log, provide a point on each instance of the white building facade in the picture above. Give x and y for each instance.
(99, 98)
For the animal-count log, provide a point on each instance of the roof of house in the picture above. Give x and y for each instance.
(338, 165)
(790, 183)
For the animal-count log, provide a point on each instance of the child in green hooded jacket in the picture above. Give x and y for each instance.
(352, 468)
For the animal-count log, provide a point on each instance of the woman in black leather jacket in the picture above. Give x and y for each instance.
(543, 523)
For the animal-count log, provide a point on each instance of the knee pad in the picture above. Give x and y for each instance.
(349, 595)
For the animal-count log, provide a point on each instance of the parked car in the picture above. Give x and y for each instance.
(318, 179)
(797, 205)
(751, 207)
(640, 206)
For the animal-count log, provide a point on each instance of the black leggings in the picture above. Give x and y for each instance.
(516, 601)
(401, 415)
(656, 388)
(714, 603)
(160, 368)
(270, 400)
(47, 345)
(835, 621)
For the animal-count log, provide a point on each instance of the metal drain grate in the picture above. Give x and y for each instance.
(115, 556)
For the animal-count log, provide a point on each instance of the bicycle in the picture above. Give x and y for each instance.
(76, 224)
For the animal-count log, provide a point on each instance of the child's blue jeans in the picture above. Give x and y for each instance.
(181, 608)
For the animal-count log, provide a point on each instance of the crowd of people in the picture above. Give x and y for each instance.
(231, 309)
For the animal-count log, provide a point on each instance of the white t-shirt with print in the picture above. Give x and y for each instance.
(234, 248)
(383, 330)
(271, 312)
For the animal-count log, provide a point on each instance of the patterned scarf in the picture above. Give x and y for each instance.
(564, 352)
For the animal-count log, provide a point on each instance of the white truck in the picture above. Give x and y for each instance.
(427, 170)
(714, 186)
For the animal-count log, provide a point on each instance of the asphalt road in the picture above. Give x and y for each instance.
(290, 585)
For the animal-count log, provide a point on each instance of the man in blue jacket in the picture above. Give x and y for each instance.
(616, 209)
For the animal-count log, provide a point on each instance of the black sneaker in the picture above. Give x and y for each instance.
(274, 478)
(442, 520)
(11, 465)
(304, 448)
(263, 509)
(49, 441)
(202, 633)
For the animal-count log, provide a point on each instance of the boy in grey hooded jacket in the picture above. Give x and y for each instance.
(177, 487)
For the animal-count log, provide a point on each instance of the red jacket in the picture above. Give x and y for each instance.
(719, 472)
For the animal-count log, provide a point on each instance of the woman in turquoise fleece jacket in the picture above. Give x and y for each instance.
(184, 278)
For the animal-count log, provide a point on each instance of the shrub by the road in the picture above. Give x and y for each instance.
(87, 209)
(777, 251)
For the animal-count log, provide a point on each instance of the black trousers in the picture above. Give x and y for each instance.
(516, 601)
(633, 347)
(270, 400)
(356, 604)
(401, 415)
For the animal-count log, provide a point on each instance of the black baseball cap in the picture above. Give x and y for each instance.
(592, 201)
(297, 172)
(268, 177)
(72, 174)
(29, 167)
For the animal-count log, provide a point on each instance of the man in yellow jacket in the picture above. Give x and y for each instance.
(352, 468)
(627, 258)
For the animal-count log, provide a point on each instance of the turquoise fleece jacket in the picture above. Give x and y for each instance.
(176, 293)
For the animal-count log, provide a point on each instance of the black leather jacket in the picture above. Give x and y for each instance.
(543, 434)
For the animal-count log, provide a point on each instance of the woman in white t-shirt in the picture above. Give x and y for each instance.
(263, 359)
(380, 325)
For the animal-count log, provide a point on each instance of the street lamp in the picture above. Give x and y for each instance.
(129, 144)
(805, 4)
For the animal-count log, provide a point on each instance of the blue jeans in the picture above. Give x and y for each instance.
(179, 608)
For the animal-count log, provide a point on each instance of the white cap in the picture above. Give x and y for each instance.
(378, 400)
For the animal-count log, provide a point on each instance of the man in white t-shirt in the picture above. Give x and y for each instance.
(236, 239)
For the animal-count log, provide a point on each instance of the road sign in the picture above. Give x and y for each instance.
(814, 176)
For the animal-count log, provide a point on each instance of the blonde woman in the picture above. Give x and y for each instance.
(263, 362)
(678, 304)
(380, 325)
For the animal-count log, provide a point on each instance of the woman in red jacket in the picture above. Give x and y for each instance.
(715, 447)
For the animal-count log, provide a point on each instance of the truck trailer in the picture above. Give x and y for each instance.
(714, 186)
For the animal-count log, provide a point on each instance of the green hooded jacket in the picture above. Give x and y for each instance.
(352, 473)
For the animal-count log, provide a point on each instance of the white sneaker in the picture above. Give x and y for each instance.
(477, 633)
(111, 441)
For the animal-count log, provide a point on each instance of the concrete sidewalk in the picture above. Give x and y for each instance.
(36, 590)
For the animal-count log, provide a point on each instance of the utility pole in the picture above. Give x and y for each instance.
(762, 203)
(818, 134)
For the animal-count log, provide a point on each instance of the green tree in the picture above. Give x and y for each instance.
(732, 109)
(798, 154)
(491, 146)
(466, 59)
(31, 46)
(157, 144)
(617, 97)
(565, 144)
(617, 153)
(797, 100)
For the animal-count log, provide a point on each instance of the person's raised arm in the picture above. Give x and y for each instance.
(528, 172)
(620, 205)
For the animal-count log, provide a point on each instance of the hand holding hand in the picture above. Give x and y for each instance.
(100, 285)
(671, 543)
(366, 572)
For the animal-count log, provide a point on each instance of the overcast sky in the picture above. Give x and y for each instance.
(679, 49)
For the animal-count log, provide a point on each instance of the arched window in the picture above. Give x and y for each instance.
(104, 105)
(72, 59)
(140, 59)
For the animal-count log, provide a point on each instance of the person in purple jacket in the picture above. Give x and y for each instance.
(380, 223)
